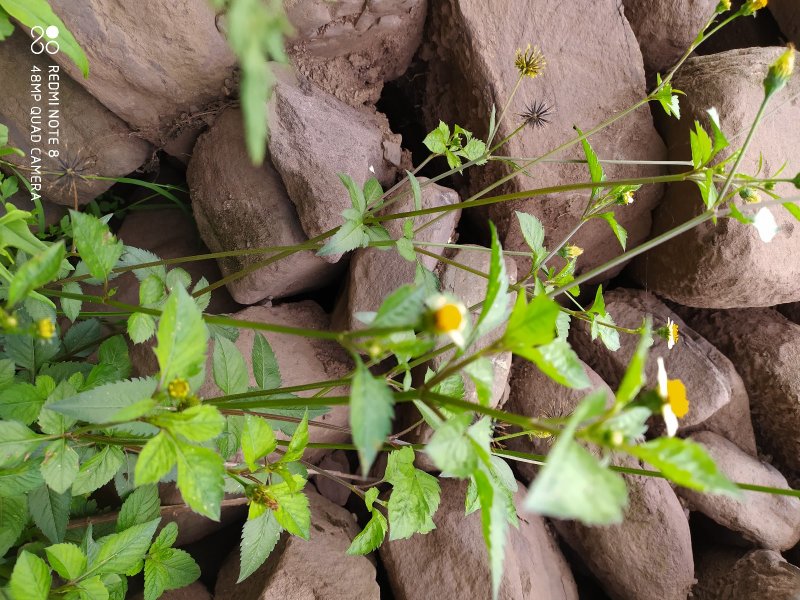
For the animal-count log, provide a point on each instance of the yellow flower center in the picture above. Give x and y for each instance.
(673, 333)
(574, 251)
(529, 63)
(178, 388)
(448, 318)
(676, 396)
(45, 329)
(627, 197)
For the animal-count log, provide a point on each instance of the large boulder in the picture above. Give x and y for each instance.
(314, 137)
(351, 48)
(758, 574)
(769, 521)
(764, 346)
(665, 30)
(451, 561)
(159, 84)
(651, 570)
(693, 360)
(787, 14)
(376, 272)
(318, 569)
(91, 139)
(727, 265)
(472, 69)
(239, 206)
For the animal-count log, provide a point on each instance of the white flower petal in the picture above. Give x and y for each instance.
(765, 225)
(670, 420)
(662, 379)
(457, 335)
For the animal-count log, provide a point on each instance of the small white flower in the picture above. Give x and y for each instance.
(673, 397)
(372, 169)
(672, 333)
(765, 224)
(449, 317)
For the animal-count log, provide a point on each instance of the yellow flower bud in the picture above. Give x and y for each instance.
(178, 388)
(45, 329)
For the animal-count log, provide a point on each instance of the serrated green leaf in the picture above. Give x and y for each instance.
(532, 231)
(436, 141)
(258, 439)
(122, 552)
(531, 324)
(372, 191)
(371, 537)
(20, 479)
(357, 198)
(298, 442)
(60, 466)
(50, 512)
(371, 414)
(98, 248)
(293, 513)
(415, 496)
(558, 361)
(107, 403)
(619, 230)
(451, 448)
(229, 369)
(573, 484)
(198, 423)
(259, 537)
(182, 338)
(21, 402)
(701, 145)
(201, 474)
(68, 560)
(71, 308)
(265, 365)
(98, 470)
(141, 506)
(481, 372)
(16, 441)
(351, 235)
(37, 13)
(141, 327)
(686, 463)
(156, 459)
(634, 377)
(403, 306)
(595, 168)
(168, 569)
(38, 270)
(13, 518)
(31, 578)
(495, 303)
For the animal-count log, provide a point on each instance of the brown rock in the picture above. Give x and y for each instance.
(764, 347)
(471, 69)
(154, 82)
(317, 569)
(534, 394)
(239, 206)
(695, 362)
(375, 273)
(654, 512)
(727, 265)
(350, 49)
(333, 490)
(761, 574)
(768, 520)
(451, 561)
(712, 568)
(787, 14)
(666, 30)
(790, 311)
(313, 137)
(92, 140)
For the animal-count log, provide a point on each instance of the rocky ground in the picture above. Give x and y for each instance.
(368, 80)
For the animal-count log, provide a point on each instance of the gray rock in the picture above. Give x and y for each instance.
(702, 369)
(654, 512)
(727, 265)
(666, 30)
(239, 206)
(375, 273)
(313, 137)
(317, 569)
(790, 311)
(350, 49)
(764, 347)
(451, 561)
(787, 14)
(159, 84)
(472, 68)
(92, 140)
(768, 520)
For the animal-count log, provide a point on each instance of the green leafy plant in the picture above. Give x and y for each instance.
(73, 420)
